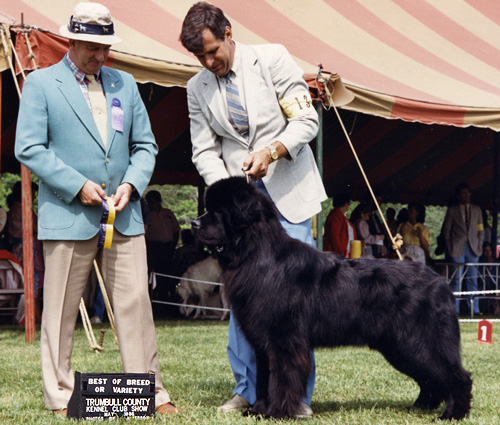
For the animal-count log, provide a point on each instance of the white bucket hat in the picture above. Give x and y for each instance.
(90, 22)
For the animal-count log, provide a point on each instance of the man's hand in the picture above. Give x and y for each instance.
(256, 164)
(91, 193)
(122, 196)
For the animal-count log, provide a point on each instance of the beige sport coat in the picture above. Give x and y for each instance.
(456, 234)
(269, 74)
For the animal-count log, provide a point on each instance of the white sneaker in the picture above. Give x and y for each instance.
(96, 320)
(304, 412)
(234, 404)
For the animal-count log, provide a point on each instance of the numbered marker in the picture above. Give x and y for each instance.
(485, 332)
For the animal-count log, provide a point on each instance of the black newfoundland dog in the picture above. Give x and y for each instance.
(288, 297)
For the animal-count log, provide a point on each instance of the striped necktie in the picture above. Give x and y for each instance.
(236, 109)
(98, 106)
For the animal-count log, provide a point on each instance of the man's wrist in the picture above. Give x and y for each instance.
(272, 153)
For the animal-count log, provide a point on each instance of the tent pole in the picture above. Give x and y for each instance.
(319, 161)
(28, 262)
(1, 80)
(494, 212)
(27, 219)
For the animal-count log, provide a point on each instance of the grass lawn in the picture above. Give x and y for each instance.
(353, 385)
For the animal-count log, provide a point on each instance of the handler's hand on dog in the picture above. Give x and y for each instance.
(256, 164)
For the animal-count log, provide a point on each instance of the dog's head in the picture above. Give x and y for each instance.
(234, 209)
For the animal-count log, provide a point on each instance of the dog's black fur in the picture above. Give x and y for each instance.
(288, 297)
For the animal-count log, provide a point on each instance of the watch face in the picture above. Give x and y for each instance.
(274, 154)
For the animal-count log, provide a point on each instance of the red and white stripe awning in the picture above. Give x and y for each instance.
(434, 61)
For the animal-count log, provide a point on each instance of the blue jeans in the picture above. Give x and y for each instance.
(240, 353)
(470, 277)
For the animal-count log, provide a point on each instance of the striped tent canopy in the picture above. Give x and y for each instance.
(431, 63)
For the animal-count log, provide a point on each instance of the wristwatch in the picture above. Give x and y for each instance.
(273, 153)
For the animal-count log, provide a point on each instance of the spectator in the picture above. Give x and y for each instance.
(339, 231)
(416, 237)
(359, 218)
(486, 225)
(390, 215)
(488, 276)
(162, 234)
(463, 234)
(376, 226)
(402, 216)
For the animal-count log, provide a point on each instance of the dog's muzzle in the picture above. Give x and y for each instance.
(195, 224)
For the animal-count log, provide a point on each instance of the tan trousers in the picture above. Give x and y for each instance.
(124, 268)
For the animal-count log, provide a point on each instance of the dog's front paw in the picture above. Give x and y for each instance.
(259, 408)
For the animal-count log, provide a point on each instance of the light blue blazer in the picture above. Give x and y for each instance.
(58, 140)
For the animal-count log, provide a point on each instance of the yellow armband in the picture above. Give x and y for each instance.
(296, 104)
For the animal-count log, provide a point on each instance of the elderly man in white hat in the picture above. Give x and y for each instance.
(84, 131)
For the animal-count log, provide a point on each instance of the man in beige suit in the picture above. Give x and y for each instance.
(463, 233)
(84, 131)
(251, 114)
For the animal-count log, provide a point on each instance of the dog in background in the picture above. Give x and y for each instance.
(193, 292)
(288, 298)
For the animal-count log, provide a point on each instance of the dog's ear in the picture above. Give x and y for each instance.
(256, 207)
(226, 193)
(245, 203)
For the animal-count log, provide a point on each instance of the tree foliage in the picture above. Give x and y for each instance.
(7, 181)
(181, 199)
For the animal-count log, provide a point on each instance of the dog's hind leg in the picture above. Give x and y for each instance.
(449, 381)
(414, 365)
(445, 382)
(430, 396)
(440, 376)
(459, 401)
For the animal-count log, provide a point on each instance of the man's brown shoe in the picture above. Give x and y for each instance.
(60, 412)
(167, 409)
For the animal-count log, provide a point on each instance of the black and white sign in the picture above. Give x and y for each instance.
(98, 396)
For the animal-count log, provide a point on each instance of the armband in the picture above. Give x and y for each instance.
(480, 227)
(297, 104)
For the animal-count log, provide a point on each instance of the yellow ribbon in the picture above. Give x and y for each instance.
(106, 225)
